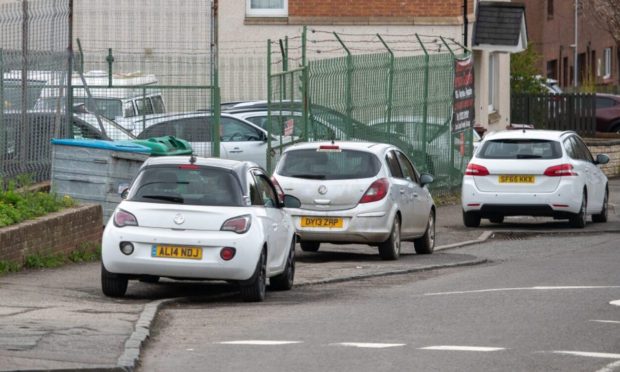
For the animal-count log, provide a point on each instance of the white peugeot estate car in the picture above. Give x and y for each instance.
(196, 218)
(357, 192)
(534, 173)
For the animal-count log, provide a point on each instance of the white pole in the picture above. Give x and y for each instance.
(576, 63)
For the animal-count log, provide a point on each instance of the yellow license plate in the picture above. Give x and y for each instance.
(173, 251)
(517, 178)
(326, 222)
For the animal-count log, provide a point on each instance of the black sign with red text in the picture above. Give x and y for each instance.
(463, 95)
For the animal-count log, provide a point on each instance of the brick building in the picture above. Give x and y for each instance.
(551, 28)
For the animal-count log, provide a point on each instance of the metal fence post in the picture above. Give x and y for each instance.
(69, 83)
(2, 127)
(110, 60)
(390, 83)
(425, 106)
(305, 81)
(349, 93)
(269, 106)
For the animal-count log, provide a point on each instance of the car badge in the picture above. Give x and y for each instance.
(322, 189)
(179, 219)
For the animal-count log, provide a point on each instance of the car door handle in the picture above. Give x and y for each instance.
(415, 194)
(235, 150)
(402, 191)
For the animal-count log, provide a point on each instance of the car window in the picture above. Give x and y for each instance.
(187, 184)
(144, 106)
(604, 102)
(233, 130)
(265, 189)
(407, 167)
(158, 105)
(255, 197)
(190, 129)
(393, 165)
(110, 108)
(329, 165)
(128, 110)
(82, 130)
(159, 130)
(583, 149)
(510, 148)
(569, 148)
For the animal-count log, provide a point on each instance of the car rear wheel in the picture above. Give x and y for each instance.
(471, 219)
(307, 246)
(390, 249)
(253, 290)
(426, 243)
(579, 219)
(113, 285)
(497, 219)
(284, 281)
(602, 217)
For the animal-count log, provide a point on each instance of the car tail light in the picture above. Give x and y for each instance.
(328, 148)
(227, 253)
(278, 189)
(123, 218)
(377, 191)
(189, 166)
(560, 170)
(240, 224)
(476, 170)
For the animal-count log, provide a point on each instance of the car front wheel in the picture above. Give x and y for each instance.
(602, 217)
(390, 249)
(471, 219)
(113, 285)
(426, 243)
(253, 290)
(284, 281)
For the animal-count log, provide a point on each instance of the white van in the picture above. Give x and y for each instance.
(128, 97)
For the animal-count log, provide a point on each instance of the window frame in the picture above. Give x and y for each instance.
(279, 12)
(493, 85)
(606, 63)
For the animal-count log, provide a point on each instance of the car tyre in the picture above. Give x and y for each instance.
(307, 246)
(426, 243)
(579, 219)
(253, 290)
(471, 219)
(390, 249)
(497, 219)
(113, 285)
(602, 217)
(284, 281)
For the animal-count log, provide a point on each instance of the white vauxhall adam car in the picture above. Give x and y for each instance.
(357, 192)
(534, 173)
(196, 218)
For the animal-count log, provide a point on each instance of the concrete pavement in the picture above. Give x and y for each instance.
(58, 318)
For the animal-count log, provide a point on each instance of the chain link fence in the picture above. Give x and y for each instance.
(396, 89)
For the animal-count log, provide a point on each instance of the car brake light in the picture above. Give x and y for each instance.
(377, 191)
(189, 166)
(329, 148)
(278, 189)
(239, 224)
(123, 218)
(476, 170)
(560, 170)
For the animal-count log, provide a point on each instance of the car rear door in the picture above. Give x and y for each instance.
(419, 198)
(594, 177)
(242, 141)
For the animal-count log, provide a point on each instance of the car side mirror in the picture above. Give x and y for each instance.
(425, 179)
(601, 159)
(291, 202)
(124, 193)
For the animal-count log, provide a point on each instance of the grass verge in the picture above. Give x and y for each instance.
(87, 252)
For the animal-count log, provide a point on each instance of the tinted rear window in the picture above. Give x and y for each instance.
(321, 165)
(520, 149)
(194, 186)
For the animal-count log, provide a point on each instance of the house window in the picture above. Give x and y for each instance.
(266, 8)
(552, 69)
(606, 63)
(493, 81)
(549, 9)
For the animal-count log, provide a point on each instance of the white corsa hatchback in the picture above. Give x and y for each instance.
(196, 218)
(534, 173)
(354, 192)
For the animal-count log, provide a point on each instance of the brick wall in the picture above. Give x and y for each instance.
(376, 8)
(611, 147)
(60, 232)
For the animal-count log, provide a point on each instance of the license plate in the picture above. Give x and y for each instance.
(173, 251)
(327, 222)
(517, 178)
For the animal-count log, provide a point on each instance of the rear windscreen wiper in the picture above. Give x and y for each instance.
(174, 199)
(310, 176)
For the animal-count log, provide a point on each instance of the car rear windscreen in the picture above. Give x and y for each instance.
(520, 149)
(329, 165)
(187, 184)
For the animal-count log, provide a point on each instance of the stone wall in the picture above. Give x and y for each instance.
(611, 147)
(59, 232)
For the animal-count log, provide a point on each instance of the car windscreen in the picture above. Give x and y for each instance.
(328, 165)
(187, 184)
(520, 149)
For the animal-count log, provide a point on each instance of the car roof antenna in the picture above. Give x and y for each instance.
(192, 158)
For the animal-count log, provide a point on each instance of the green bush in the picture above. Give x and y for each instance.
(18, 203)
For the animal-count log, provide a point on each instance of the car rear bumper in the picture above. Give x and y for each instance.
(561, 203)
(360, 225)
(211, 266)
